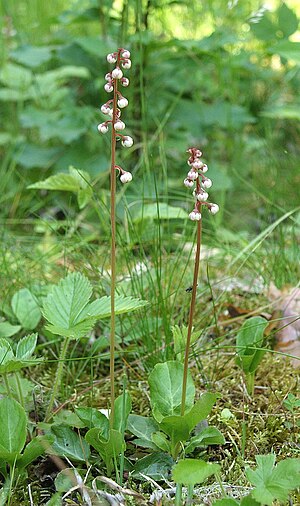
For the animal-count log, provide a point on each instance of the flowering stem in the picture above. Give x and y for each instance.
(113, 255)
(191, 315)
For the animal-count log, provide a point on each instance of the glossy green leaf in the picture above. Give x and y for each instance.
(121, 415)
(165, 383)
(68, 444)
(91, 417)
(34, 449)
(26, 308)
(176, 427)
(161, 441)
(108, 449)
(250, 337)
(26, 346)
(156, 465)
(200, 409)
(13, 429)
(192, 471)
(143, 427)
(208, 436)
(31, 56)
(15, 76)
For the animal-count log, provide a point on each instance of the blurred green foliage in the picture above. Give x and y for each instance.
(217, 74)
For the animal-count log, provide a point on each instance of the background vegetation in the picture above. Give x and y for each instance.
(224, 76)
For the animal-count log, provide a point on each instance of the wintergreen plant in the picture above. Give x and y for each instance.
(195, 176)
(112, 108)
(249, 348)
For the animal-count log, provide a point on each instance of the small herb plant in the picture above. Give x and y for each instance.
(249, 347)
(71, 315)
(112, 108)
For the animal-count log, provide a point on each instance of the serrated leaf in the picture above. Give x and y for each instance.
(26, 308)
(192, 471)
(26, 346)
(100, 308)
(272, 482)
(64, 304)
(165, 383)
(60, 182)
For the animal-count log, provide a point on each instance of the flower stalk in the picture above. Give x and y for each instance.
(112, 108)
(195, 176)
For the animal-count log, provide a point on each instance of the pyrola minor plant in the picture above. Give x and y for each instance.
(112, 108)
(196, 176)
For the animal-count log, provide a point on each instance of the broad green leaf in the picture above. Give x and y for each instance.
(208, 436)
(273, 483)
(36, 447)
(287, 20)
(288, 50)
(108, 449)
(91, 417)
(68, 444)
(100, 308)
(8, 330)
(250, 337)
(192, 471)
(15, 76)
(31, 156)
(31, 56)
(143, 428)
(120, 418)
(165, 383)
(69, 313)
(26, 346)
(61, 182)
(6, 352)
(26, 308)
(200, 409)
(160, 211)
(84, 196)
(176, 427)
(161, 441)
(156, 465)
(64, 304)
(13, 429)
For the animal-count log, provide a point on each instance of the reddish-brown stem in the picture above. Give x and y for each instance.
(192, 309)
(113, 253)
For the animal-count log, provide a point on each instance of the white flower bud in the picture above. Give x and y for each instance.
(125, 82)
(126, 64)
(202, 197)
(198, 153)
(117, 73)
(127, 141)
(126, 54)
(192, 174)
(126, 177)
(107, 76)
(197, 164)
(204, 168)
(188, 183)
(214, 208)
(111, 58)
(102, 128)
(105, 109)
(207, 183)
(108, 87)
(110, 112)
(119, 125)
(122, 102)
(195, 215)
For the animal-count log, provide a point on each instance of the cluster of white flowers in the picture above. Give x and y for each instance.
(113, 107)
(196, 176)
